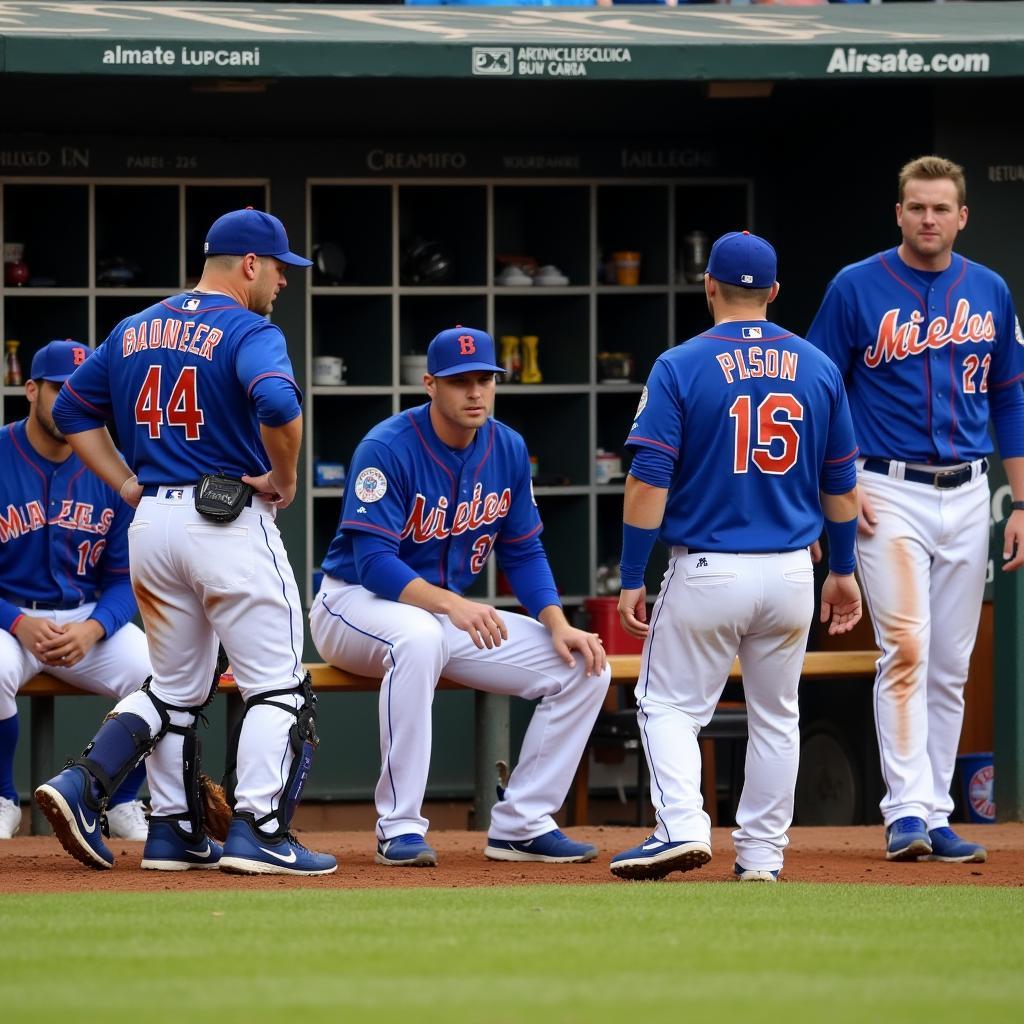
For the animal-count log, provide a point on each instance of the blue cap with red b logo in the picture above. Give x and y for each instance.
(57, 360)
(462, 350)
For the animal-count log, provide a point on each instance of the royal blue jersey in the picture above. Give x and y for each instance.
(756, 423)
(179, 379)
(63, 536)
(920, 353)
(444, 510)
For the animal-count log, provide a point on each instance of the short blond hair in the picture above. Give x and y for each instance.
(929, 168)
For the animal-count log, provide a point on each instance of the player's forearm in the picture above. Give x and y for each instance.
(644, 504)
(840, 508)
(96, 449)
(282, 444)
(421, 594)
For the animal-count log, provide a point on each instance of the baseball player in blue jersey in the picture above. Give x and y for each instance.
(433, 491)
(742, 437)
(930, 349)
(65, 596)
(206, 406)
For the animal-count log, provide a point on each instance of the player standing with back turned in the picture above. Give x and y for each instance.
(206, 405)
(930, 348)
(742, 437)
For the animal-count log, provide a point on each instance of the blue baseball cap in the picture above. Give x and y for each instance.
(462, 350)
(249, 230)
(57, 360)
(743, 259)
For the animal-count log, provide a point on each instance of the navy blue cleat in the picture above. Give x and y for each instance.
(74, 813)
(907, 839)
(408, 851)
(655, 858)
(251, 852)
(170, 848)
(553, 847)
(755, 874)
(948, 846)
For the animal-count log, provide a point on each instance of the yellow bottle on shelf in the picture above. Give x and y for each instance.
(531, 370)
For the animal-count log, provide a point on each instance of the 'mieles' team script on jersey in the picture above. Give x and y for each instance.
(919, 353)
(170, 377)
(63, 535)
(445, 510)
(754, 419)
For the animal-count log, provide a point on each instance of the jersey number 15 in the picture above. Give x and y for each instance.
(182, 408)
(778, 443)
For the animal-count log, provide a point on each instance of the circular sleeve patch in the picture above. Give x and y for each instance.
(371, 484)
(643, 403)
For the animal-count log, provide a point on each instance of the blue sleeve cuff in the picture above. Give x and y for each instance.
(637, 544)
(842, 540)
(277, 400)
(379, 568)
(116, 605)
(9, 615)
(839, 478)
(652, 466)
(529, 574)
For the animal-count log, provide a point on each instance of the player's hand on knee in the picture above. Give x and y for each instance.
(33, 631)
(633, 611)
(840, 602)
(485, 626)
(1013, 542)
(568, 638)
(74, 643)
(867, 520)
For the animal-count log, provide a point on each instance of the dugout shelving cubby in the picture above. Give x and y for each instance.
(367, 304)
(90, 266)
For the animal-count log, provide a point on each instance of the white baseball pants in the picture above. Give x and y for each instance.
(713, 607)
(923, 576)
(197, 581)
(412, 648)
(114, 667)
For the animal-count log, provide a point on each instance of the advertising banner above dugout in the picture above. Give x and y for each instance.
(265, 40)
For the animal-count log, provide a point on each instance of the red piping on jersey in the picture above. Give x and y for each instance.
(270, 373)
(80, 399)
(845, 458)
(46, 483)
(927, 368)
(952, 371)
(1006, 383)
(423, 441)
(650, 440)
(747, 341)
(364, 525)
(525, 536)
(14, 624)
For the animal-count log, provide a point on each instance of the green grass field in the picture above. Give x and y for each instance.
(624, 953)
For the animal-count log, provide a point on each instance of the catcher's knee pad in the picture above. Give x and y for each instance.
(303, 740)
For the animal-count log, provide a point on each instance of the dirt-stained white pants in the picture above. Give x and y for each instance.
(923, 577)
(412, 648)
(197, 581)
(713, 607)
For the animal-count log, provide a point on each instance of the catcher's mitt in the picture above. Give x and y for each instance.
(216, 812)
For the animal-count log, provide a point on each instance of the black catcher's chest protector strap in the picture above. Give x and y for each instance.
(303, 739)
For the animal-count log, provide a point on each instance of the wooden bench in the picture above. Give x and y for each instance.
(491, 716)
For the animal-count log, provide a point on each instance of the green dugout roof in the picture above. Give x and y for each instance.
(264, 40)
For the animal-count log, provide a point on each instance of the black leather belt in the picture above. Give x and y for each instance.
(44, 606)
(941, 478)
(153, 490)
